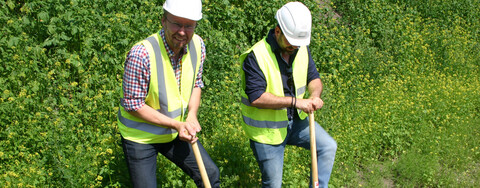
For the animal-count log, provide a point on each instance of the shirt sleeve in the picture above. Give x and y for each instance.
(312, 69)
(198, 80)
(136, 78)
(255, 82)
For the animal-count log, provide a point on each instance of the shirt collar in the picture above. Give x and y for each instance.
(169, 51)
(272, 40)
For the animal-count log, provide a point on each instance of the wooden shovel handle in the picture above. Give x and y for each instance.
(313, 150)
(201, 166)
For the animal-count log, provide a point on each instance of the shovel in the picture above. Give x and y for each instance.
(201, 166)
(313, 150)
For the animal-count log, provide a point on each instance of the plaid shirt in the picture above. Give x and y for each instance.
(136, 77)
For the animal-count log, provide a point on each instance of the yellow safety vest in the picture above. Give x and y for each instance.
(164, 95)
(269, 126)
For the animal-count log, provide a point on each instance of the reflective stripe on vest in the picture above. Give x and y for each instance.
(129, 125)
(301, 90)
(162, 90)
(262, 124)
(269, 125)
(144, 126)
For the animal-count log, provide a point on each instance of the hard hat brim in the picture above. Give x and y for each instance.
(298, 42)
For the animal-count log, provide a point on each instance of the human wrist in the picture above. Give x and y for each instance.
(177, 125)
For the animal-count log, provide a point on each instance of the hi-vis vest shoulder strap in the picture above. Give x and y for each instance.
(164, 94)
(269, 126)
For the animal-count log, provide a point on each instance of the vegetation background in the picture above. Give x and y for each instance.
(401, 94)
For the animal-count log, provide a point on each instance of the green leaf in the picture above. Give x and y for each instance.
(43, 16)
(10, 4)
(13, 41)
(35, 86)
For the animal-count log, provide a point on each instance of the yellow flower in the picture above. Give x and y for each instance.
(23, 93)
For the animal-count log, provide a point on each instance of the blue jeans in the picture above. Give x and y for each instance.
(270, 157)
(142, 161)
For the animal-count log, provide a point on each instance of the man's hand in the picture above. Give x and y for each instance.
(194, 121)
(309, 105)
(187, 131)
(317, 103)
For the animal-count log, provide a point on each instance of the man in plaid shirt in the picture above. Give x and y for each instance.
(146, 120)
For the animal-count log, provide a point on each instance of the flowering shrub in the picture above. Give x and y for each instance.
(400, 78)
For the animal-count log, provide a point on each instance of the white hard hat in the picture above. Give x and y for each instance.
(190, 9)
(295, 21)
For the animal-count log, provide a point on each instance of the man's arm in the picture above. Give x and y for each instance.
(135, 87)
(195, 97)
(193, 106)
(186, 131)
(268, 100)
(151, 115)
(314, 102)
(315, 88)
